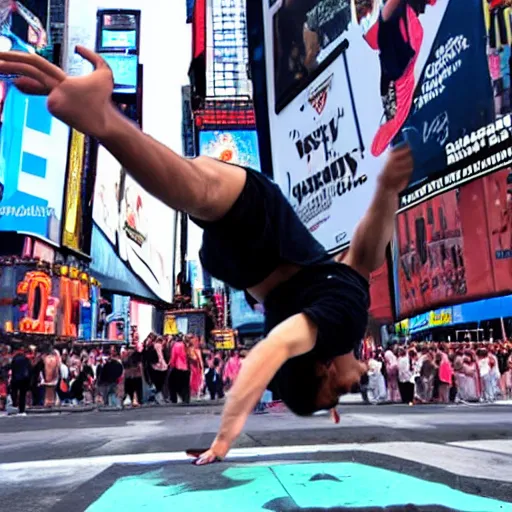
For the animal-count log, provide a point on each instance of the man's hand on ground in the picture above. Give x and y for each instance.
(215, 453)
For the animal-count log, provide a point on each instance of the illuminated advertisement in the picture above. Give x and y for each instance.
(147, 246)
(456, 246)
(241, 312)
(234, 147)
(345, 80)
(226, 68)
(122, 209)
(51, 300)
(33, 144)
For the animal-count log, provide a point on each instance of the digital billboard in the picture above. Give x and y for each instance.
(234, 147)
(241, 311)
(122, 209)
(33, 144)
(339, 82)
(456, 246)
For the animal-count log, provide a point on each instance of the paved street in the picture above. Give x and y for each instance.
(433, 457)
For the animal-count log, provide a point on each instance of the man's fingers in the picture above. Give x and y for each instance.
(31, 86)
(29, 71)
(92, 57)
(34, 61)
(206, 458)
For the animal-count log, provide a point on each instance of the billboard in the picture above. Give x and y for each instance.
(122, 211)
(235, 147)
(456, 246)
(241, 311)
(345, 80)
(33, 144)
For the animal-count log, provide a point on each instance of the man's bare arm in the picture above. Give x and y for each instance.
(375, 231)
(293, 337)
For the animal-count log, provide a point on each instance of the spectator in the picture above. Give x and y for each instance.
(20, 380)
(213, 379)
(109, 376)
(179, 383)
(405, 377)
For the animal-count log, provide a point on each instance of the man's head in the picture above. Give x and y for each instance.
(315, 386)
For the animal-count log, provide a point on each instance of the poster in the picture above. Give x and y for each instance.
(345, 80)
(33, 144)
(145, 244)
(122, 211)
(455, 247)
(234, 147)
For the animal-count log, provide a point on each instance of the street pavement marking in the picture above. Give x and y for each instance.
(458, 460)
(502, 446)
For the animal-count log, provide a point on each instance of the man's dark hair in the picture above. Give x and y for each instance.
(299, 385)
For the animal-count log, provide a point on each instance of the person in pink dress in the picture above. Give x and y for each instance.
(195, 359)
(232, 369)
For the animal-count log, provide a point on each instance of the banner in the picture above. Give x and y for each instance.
(456, 246)
(234, 147)
(346, 79)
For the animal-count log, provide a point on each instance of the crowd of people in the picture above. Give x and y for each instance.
(439, 372)
(162, 369)
(169, 369)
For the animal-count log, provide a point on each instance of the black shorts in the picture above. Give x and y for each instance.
(260, 232)
(334, 296)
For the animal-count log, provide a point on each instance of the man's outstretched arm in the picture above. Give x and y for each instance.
(293, 337)
(375, 231)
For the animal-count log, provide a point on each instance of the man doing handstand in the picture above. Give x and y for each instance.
(316, 305)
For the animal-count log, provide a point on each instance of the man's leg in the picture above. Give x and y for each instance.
(375, 231)
(203, 187)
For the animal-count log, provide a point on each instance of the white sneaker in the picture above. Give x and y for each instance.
(23, 414)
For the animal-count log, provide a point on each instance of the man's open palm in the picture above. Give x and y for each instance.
(81, 102)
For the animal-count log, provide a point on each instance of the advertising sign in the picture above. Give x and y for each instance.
(347, 79)
(33, 145)
(456, 246)
(122, 209)
(241, 312)
(233, 147)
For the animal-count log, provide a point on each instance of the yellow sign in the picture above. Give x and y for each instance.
(170, 326)
(71, 233)
(224, 339)
(440, 317)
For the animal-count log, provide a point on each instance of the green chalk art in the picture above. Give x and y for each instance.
(255, 487)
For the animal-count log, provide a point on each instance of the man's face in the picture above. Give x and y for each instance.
(338, 378)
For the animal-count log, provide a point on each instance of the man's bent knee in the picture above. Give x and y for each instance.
(223, 184)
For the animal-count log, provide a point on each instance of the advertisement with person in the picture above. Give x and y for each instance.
(147, 246)
(456, 246)
(348, 79)
(33, 144)
(234, 147)
(122, 209)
